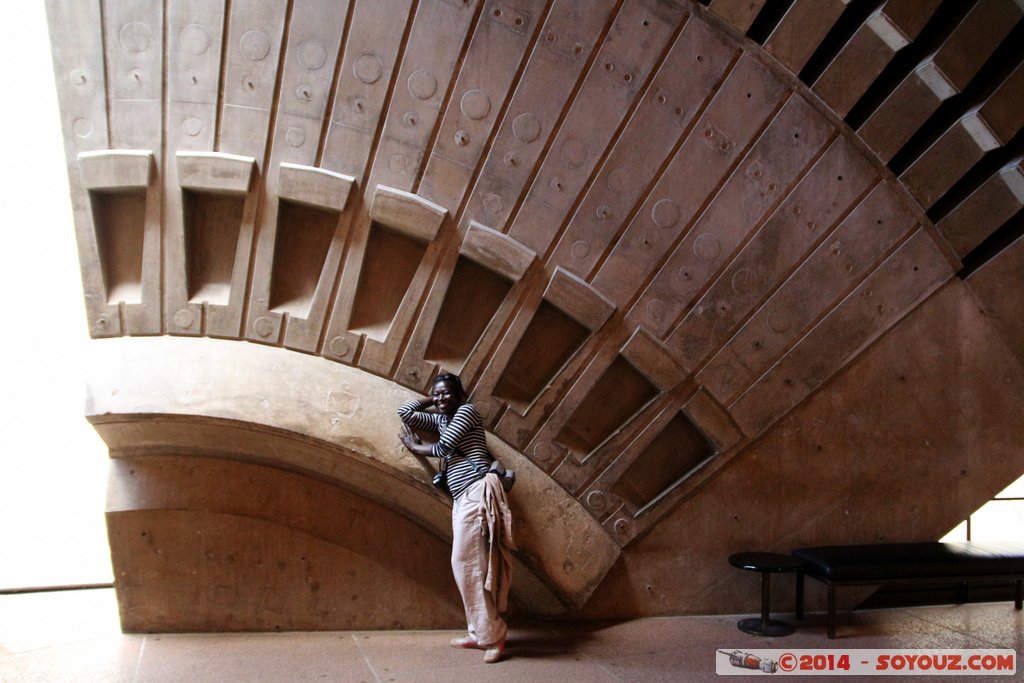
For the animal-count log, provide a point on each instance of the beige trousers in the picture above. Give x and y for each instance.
(470, 552)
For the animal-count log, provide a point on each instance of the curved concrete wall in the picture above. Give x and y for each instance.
(653, 237)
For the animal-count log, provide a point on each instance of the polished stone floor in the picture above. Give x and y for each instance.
(74, 636)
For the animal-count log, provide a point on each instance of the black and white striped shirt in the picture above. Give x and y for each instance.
(461, 441)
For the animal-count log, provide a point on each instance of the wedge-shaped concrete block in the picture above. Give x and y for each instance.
(951, 156)
(987, 208)
(313, 186)
(867, 53)
(738, 13)
(649, 357)
(215, 171)
(578, 300)
(801, 31)
(496, 251)
(115, 169)
(943, 74)
(407, 213)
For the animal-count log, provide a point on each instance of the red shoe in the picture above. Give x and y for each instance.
(466, 642)
(494, 652)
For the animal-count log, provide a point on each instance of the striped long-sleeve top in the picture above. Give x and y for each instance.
(461, 441)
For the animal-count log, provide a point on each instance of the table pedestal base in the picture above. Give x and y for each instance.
(769, 628)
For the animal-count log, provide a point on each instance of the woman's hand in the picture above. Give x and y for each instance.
(412, 441)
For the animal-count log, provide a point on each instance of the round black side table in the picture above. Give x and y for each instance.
(767, 564)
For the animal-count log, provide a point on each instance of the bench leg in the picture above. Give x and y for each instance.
(1018, 597)
(766, 598)
(831, 610)
(800, 594)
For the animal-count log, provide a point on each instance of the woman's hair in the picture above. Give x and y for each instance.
(454, 382)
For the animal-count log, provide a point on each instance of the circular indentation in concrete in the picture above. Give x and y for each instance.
(339, 346)
(743, 280)
(184, 318)
(707, 247)
(493, 203)
(248, 83)
(574, 153)
(620, 180)
(510, 159)
(665, 213)
(461, 138)
(264, 327)
(526, 127)
(397, 163)
(422, 85)
(621, 526)
(543, 451)
(195, 39)
(135, 37)
(78, 77)
(603, 211)
(192, 126)
(557, 184)
(357, 104)
(295, 137)
(368, 68)
(597, 500)
(102, 322)
(656, 309)
(778, 322)
(82, 128)
(255, 45)
(312, 54)
(580, 249)
(475, 104)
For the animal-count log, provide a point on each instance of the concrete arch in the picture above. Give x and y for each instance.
(270, 408)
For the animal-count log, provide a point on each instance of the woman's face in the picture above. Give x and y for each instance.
(446, 398)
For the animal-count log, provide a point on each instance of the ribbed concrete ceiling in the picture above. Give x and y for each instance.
(643, 231)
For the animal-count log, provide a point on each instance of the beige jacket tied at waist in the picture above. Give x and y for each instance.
(500, 542)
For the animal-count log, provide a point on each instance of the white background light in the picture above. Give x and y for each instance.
(52, 464)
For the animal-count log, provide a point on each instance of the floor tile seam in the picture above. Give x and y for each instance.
(688, 648)
(600, 665)
(970, 634)
(4, 651)
(138, 659)
(366, 657)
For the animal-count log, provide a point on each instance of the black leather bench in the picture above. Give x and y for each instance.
(910, 564)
